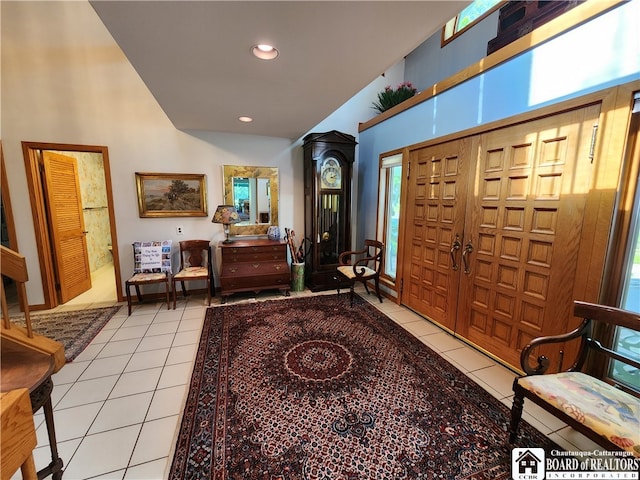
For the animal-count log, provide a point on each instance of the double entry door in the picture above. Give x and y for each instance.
(493, 230)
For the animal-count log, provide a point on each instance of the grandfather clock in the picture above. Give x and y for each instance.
(328, 165)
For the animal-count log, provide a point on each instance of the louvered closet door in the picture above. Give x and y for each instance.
(66, 225)
(435, 214)
(524, 220)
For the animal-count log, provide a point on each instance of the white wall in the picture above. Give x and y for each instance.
(346, 118)
(430, 63)
(65, 80)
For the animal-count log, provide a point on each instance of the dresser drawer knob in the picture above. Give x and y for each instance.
(233, 270)
(256, 265)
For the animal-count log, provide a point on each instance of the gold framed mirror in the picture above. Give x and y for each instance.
(254, 193)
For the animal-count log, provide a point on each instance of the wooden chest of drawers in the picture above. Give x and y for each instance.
(254, 265)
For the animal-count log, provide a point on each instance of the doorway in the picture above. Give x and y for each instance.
(494, 228)
(106, 238)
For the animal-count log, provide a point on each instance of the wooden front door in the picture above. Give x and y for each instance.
(524, 222)
(438, 185)
(493, 230)
(66, 225)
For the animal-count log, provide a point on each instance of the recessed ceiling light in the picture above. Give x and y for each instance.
(245, 119)
(264, 52)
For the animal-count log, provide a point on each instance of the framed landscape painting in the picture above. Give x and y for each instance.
(171, 195)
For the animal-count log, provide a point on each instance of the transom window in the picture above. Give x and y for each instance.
(468, 17)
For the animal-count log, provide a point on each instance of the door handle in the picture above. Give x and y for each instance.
(455, 246)
(468, 248)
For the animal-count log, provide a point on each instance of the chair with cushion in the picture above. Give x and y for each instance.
(195, 264)
(152, 264)
(362, 266)
(605, 411)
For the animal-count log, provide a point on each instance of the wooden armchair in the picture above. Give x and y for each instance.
(195, 264)
(607, 414)
(362, 266)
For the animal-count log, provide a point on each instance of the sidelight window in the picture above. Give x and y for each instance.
(626, 340)
(389, 212)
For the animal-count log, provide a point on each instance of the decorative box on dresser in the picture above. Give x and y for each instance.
(254, 265)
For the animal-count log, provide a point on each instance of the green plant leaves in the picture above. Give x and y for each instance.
(390, 98)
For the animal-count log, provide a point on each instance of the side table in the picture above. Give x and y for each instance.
(23, 367)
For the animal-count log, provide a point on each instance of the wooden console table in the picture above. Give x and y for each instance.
(254, 265)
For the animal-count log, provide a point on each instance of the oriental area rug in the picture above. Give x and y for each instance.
(311, 388)
(74, 329)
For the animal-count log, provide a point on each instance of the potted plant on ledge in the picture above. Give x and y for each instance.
(390, 98)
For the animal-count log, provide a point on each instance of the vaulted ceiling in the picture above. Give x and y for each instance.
(194, 56)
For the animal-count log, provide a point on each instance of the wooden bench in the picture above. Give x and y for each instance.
(606, 413)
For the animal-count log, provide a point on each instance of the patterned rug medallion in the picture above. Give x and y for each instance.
(311, 388)
(74, 329)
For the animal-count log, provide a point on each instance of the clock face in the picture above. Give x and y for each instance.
(331, 174)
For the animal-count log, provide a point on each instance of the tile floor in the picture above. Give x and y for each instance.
(117, 405)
